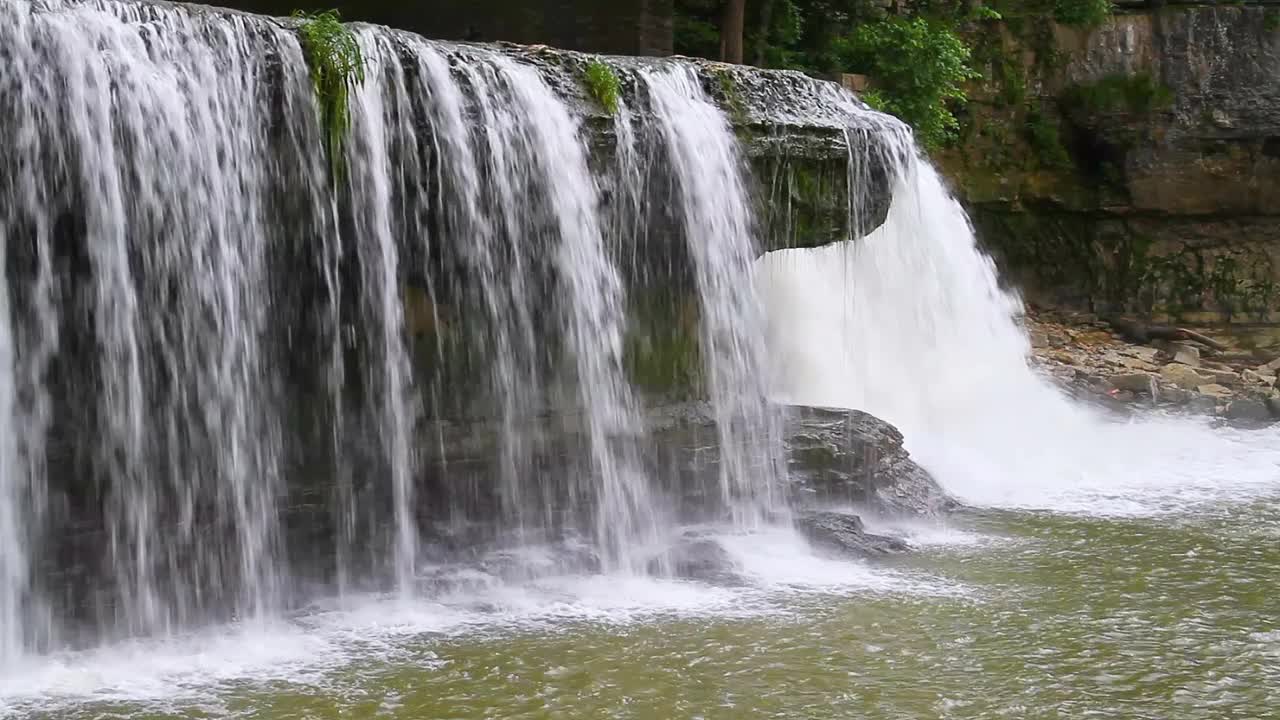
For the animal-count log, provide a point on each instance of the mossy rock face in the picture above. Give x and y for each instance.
(663, 354)
(1157, 267)
(1127, 164)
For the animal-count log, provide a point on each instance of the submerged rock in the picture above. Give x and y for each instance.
(1248, 409)
(845, 533)
(697, 558)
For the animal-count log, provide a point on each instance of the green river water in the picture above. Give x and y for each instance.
(1012, 614)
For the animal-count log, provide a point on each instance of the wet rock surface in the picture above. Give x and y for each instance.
(845, 534)
(698, 558)
(1087, 357)
(836, 458)
(849, 456)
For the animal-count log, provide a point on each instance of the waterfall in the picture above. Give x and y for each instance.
(379, 165)
(13, 550)
(213, 395)
(718, 223)
(238, 374)
(141, 169)
(594, 319)
(911, 323)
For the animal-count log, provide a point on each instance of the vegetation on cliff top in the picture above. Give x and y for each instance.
(1139, 93)
(919, 54)
(337, 65)
(919, 66)
(603, 85)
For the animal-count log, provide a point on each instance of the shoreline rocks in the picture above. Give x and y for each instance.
(1093, 362)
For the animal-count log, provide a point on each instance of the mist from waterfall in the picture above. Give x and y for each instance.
(911, 324)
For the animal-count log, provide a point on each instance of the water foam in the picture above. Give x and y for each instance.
(316, 647)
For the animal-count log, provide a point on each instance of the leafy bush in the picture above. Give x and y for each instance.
(918, 66)
(1084, 13)
(1138, 93)
(1044, 138)
(602, 82)
(337, 65)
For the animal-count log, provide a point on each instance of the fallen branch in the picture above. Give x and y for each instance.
(1136, 332)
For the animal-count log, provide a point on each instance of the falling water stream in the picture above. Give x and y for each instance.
(288, 437)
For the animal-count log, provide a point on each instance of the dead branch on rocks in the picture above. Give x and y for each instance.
(1141, 333)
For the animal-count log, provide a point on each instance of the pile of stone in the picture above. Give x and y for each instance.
(1084, 355)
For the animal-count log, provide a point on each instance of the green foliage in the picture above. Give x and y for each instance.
(1012, 80)
(1271, 20)
(1138, 94)
(730, 97)
(1223, 283)
(695, 32)
(982, 12)
(603, 85)
(337, 65)
(1083, 13)
(1258, 297)
(1173, 284)
(1044, 138)
(919, 66)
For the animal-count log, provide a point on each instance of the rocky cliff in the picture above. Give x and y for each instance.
(1133, 166)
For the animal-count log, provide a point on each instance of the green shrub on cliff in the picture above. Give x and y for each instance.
(336, 65)
(1084, 13)
(602, 82)
(919, 66)
(1139, 93)
(1042, 134)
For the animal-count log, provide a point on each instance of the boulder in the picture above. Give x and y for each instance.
(1134, 363)
(848, 456)
(1174, 395)
(1187, 355)
(1221, 375)
(845, 534)
(1183, 376)
(1253, 376)
(1214, 390)
(1123, 396)
(1141, 352)
(697, 558)
(1204, 404)
(1135, 382)
(1248, 409)
(1273, 405)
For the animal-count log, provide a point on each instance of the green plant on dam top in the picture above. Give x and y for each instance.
(602, 82)
(1084, 13)
(337, 65)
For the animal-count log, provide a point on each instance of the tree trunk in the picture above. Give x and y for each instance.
(766, 24)
(731, 29)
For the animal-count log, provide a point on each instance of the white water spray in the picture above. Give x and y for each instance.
(382, 117)
(718, 224)
(910, 324)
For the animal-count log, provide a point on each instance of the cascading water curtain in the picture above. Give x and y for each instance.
(716, 212)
